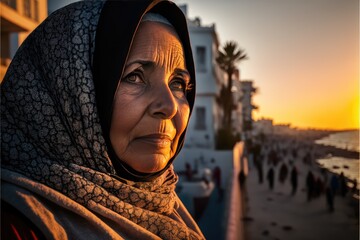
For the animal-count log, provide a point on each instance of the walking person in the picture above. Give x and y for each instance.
(334, 184)
(283, 173)
(343, 184)
(217, 180)
(294, 180)
(329, 199)
(270, 177)
(310, 182)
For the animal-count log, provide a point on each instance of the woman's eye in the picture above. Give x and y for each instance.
(178, 84)
(133, 78)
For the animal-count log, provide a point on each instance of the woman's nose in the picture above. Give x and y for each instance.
(164, 104)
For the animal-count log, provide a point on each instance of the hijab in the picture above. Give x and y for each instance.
(110, 59)
(56, 105)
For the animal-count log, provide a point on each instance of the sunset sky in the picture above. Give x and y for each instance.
(303, 56)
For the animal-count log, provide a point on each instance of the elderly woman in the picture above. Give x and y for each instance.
(94, 109)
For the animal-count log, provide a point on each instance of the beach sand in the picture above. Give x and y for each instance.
(277, 214)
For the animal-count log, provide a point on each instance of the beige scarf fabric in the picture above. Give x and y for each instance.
(59, 217)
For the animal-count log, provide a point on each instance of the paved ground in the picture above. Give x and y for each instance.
(278, 215)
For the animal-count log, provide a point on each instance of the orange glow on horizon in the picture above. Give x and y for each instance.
(336, 115)
(303, 57)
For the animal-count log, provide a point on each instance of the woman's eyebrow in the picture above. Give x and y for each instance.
(147, 64)
(182, 72)
(144, 63)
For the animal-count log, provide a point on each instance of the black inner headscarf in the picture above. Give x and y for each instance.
(118, 23)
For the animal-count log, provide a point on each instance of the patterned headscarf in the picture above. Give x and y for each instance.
(56, 106)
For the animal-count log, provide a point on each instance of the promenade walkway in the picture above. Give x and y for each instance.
(276, 214)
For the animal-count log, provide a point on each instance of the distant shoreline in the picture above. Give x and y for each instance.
(310, 136)
(337, 152)
(321, 151)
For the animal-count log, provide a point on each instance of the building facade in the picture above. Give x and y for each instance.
(206, 114)
(18, 19)
(263, 126)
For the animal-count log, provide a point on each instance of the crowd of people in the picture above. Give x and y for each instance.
(281, 159)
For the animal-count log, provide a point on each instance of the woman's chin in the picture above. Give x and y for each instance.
(151, 164)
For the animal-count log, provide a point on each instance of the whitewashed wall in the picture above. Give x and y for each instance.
(200, 158)
(202, 138)
(207, 87)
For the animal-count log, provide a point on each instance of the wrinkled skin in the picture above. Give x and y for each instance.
(150, 110)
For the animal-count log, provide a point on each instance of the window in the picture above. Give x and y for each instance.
(36, 10)
(31, 9)
(201, 58)
(10, 3)
(200, 118)
(27, 8)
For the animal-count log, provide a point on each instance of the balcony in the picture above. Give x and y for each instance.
(17, 18)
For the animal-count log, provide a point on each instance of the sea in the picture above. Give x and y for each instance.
(348, 140)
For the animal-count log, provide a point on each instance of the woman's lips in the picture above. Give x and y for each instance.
(160, 140)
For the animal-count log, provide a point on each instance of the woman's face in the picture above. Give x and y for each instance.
(150, 110)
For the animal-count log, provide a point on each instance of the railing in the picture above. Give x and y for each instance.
(27, 8)
(234, 212)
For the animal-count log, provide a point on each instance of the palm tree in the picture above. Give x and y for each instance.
(227, 58)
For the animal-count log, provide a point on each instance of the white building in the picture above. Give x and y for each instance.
(18, 18)
(263, 125)
(284, 129)
(206, 116)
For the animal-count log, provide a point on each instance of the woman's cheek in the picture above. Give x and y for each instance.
(181, 121)
(184, 113)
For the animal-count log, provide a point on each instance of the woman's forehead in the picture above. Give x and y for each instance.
(157, 42)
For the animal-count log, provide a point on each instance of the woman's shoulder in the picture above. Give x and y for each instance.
(54, 214)
(15, 225)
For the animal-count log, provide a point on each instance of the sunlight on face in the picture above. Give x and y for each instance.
(150, 109)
